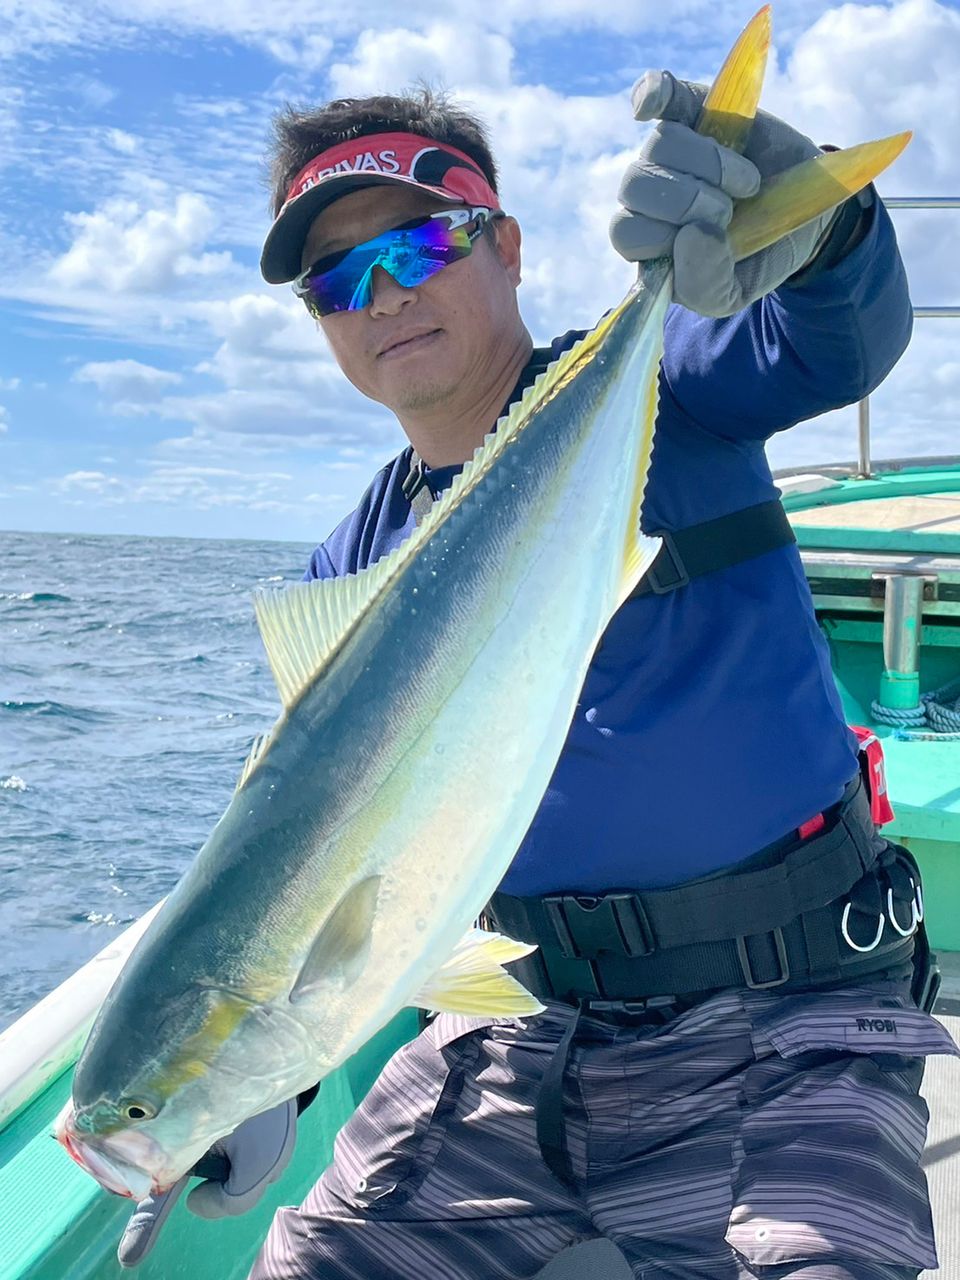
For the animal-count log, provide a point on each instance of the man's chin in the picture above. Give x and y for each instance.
(415, 396)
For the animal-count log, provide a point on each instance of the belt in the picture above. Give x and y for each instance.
(803, 913)
(771, 919)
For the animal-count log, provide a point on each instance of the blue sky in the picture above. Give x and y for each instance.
(150, 382)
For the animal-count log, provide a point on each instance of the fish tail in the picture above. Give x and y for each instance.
(799, 194)
(729, 108)
(789, 199)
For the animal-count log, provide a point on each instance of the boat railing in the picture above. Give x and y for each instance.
(864, 466)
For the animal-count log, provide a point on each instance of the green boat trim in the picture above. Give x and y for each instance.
(57, 1224)
(857, 533)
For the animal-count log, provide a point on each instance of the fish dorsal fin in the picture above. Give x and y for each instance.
(473, 980)
(340, 949)
(304, 624)
(259, 746)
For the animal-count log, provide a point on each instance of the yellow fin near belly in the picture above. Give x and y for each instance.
(473, 980)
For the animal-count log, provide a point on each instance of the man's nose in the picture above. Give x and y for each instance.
(386, 295)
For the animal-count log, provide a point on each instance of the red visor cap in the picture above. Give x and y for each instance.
(375, 160)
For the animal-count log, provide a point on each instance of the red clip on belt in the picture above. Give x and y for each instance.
(881, 810)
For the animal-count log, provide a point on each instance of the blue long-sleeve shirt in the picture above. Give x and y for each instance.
(709, 724)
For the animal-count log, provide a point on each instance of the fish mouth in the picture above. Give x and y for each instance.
(120, 1162)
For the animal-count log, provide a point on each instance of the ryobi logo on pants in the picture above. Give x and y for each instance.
(877, 1024)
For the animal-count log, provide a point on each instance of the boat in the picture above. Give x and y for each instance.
(880, 544)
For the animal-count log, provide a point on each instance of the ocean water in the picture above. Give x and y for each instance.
(132, 682)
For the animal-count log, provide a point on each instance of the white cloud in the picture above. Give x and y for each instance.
(124, 248)
(4, 420)
(268, 344)
(87, 482)
(384, 61)
(307, 50)
(864, 71)
(289, 29)
(121, 141)
(90, 93)
(9, 384)
(128, 382)
(184, 486)
(11, 105)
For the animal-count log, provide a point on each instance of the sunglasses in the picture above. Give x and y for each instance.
(411, 253)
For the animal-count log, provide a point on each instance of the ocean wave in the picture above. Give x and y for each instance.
(13, 783)
(61, 709)
(35, 597)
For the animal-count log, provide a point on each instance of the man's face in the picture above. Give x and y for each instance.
(412, 348)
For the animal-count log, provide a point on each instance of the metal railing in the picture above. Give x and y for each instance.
(864, 471)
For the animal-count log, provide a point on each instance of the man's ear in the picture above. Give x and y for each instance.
(508, 247)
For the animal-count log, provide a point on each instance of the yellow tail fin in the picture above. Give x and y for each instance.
(730, 106)
(789, 199)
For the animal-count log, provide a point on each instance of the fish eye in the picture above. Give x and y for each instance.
(137, 1109)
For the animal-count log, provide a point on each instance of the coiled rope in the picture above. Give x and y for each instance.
(936, 719)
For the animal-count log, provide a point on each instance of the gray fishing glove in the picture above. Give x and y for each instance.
(678, 198)
(253, 1156)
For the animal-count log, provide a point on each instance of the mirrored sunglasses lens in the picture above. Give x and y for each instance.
(411, 255)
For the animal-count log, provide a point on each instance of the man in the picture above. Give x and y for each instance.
(724, 1082)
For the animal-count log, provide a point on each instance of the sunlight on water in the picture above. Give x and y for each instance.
(132, 681)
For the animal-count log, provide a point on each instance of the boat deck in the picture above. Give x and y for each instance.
(601, 1260)
(915, 513)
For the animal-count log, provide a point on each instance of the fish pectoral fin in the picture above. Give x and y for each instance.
(340, 949)
(473, 981)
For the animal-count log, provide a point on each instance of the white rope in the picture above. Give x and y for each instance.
(936, 719)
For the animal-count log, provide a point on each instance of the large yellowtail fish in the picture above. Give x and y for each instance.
(425, 704)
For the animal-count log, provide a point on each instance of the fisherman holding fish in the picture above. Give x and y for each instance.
(735, 980)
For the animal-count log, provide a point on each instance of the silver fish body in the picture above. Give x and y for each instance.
(399, 782)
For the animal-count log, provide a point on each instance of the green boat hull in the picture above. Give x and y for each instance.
(59, 1225)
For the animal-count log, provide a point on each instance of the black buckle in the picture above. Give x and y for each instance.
(667, 562)
(746, 965)
(587, 925)
(414, 480)
(927, 980)
(926, 996)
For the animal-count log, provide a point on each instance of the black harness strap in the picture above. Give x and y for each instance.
(551, 1138)
(715, 544)
(686, 553)
(755, 925)
(415, 488)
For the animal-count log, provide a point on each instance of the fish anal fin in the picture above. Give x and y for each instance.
(474, 982)
(340, 949)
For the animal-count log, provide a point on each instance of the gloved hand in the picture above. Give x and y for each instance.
(678, 198)
(256, 1154)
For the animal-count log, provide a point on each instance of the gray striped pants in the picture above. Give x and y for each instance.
(754, 1135)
